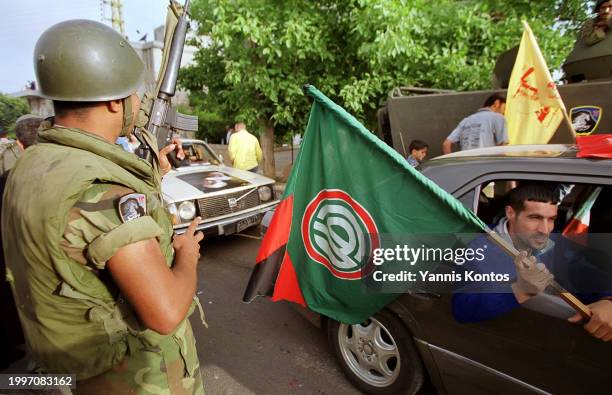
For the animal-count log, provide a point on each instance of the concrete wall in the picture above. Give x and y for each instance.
(38, 105)
(151, 53)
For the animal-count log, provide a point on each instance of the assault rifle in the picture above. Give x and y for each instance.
(164, 120)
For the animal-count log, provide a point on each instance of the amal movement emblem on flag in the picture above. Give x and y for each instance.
(585, 119)
(339, 233)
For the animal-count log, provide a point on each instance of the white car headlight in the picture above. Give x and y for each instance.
(265, 193)
(186, 210)
(173, 212)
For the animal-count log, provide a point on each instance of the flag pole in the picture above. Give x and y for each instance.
(403, 146)
(568, 297)
(569, 123)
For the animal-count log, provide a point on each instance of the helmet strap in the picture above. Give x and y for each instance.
(128, 116)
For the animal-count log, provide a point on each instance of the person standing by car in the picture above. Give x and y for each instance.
(531, 211)
(100, 296)
(485, 128)
(244, 150)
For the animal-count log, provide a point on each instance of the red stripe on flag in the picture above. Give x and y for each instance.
(272, 253)
(287, 286)
(278, 231)
(594, 146)
(575, 227)
(577, 231)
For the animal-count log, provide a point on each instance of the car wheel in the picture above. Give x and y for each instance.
(378, 355)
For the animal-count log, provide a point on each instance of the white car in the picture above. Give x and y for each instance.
(228, 200)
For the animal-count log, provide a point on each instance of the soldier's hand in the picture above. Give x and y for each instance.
(164, 162)
(187, 245)
(531, 277)
(600, 324)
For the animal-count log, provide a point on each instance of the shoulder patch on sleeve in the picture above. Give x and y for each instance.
(132, 206)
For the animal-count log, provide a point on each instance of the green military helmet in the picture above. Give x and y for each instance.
(83, 60)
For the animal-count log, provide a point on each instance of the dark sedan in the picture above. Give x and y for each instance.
(416, 339)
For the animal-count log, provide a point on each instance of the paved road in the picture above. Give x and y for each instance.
(257, 348)
(262, 347)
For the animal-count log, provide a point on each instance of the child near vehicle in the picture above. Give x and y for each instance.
(418, 152)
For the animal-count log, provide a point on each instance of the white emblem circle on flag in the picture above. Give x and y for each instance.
(339, 233)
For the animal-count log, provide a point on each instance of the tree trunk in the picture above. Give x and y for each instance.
(267, 146)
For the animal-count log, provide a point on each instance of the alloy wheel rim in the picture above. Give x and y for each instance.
(370, 352)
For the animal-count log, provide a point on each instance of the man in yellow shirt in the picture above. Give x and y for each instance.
(244, 150)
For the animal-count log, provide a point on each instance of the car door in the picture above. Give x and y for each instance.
(524, 351)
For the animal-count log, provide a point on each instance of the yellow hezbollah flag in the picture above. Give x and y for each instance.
(534, 108)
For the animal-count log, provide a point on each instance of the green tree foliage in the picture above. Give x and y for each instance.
(211, 125)
(11, 108)
(255, 55)
(454, 44)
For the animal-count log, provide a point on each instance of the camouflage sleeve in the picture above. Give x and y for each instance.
(95, 230)
(592, 34)
(8, 157)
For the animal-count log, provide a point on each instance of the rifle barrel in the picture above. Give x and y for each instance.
(168, 85)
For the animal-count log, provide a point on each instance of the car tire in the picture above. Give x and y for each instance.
(357, 349)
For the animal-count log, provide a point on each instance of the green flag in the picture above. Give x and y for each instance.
(347, 189)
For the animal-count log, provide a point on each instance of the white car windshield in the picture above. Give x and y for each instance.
(197, 154)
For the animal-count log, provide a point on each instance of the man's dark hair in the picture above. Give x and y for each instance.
(528, 191)
(26, 129)
(77, 108)
(417, 145)
(493, 98)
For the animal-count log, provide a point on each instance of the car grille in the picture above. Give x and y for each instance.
(216, 206)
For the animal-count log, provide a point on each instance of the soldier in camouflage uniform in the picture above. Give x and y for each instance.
(26, 129)
(99, 294)
(595, 30)
(9, 152)
(11, 337)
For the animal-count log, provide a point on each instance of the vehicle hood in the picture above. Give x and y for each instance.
(197, 181)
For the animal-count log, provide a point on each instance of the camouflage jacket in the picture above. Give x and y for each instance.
(592, 34)
(59, 230)
(9, 152)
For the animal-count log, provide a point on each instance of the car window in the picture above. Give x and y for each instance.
(197, 154)
(490, 206)
(490, 202)
(467, 199)
(583, 224)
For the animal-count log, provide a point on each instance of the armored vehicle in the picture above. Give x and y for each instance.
(430, 115)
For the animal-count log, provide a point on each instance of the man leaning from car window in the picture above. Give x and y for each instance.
(530, 214)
